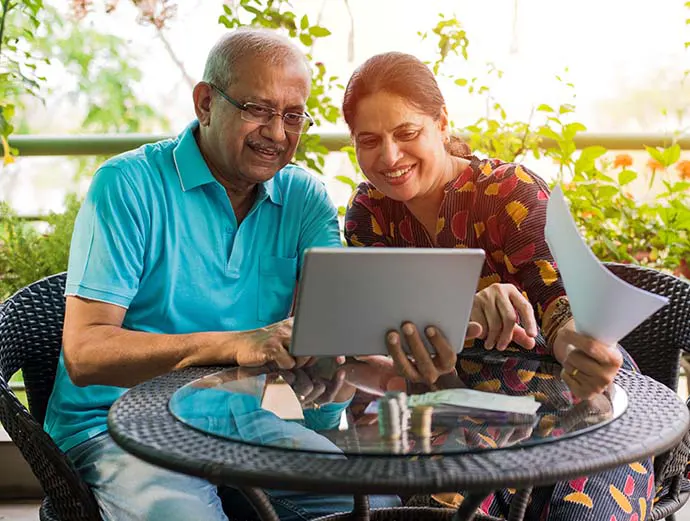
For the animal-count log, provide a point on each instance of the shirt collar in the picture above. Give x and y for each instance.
(194, 172)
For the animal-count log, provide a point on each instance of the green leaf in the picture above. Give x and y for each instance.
(319, 32)
(461, 82)
(655, 153)
(545, 108)
(304, 23)
(671, 154)
(347, 180)
(306, 39)
(626, 176)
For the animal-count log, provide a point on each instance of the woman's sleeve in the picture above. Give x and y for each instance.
(364, 220)
(521, 220)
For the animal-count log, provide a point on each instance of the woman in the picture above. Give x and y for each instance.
(424, 189)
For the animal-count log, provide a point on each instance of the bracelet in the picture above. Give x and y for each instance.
(556, 314)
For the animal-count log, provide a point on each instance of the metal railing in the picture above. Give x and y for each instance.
(109, 144)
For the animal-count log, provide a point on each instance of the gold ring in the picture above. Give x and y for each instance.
(574, 372)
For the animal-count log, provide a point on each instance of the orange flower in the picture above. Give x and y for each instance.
(623, 161)
(683, 168)
(654, 165)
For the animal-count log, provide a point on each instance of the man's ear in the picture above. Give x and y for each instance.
(202, 95)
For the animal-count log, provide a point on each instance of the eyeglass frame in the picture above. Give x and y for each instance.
(244, 107)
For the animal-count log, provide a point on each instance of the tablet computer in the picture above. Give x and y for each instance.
(349, 298)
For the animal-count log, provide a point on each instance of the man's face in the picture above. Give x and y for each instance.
(245, 152)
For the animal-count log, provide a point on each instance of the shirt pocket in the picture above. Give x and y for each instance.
(277, 281)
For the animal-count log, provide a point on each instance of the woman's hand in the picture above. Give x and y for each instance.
(422, 366)
(497, 310)
(589, 367)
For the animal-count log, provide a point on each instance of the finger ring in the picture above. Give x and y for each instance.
(317, 406)
(574, 372)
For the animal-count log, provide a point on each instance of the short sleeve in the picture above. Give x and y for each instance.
(320, 222)
(109, 240)
(364, 222)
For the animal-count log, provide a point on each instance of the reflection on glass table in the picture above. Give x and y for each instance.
(357, 408)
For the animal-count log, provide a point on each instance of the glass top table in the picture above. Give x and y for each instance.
(357, 408)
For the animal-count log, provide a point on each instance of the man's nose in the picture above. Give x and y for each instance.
(274, 129)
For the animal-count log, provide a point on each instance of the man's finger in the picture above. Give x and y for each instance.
(280, 357)
(304, 361)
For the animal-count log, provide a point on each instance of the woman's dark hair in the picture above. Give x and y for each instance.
(402, 75)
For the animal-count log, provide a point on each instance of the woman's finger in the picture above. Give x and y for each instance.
(422, 357)
(524, 310)
(445, 357)
(477, 316)
(508, 319)
(402, 363)
(521, 337)
(494, 324)
(576, 388)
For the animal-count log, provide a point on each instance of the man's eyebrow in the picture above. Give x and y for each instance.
(270, 103)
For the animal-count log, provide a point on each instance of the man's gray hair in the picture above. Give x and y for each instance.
(251, 43)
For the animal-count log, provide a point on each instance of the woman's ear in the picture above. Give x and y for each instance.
(444, 123)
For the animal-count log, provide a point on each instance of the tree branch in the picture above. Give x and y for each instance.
(190, 81)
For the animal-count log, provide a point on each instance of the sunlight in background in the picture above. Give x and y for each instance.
(625, 58)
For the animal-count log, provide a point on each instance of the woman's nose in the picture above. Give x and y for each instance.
(390, 153)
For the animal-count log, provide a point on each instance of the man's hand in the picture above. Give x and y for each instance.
(589, 367)
(268, 345)
(497, 310)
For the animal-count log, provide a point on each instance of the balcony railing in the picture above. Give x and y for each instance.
(108, 144)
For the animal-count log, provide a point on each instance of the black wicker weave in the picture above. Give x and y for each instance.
(657, 345)
(30, 340)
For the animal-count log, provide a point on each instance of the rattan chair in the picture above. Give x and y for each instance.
(30, 341)
(657, 345)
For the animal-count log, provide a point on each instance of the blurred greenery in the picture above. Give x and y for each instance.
(653, 230)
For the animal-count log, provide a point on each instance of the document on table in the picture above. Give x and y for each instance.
(477, 400)
(604, 306)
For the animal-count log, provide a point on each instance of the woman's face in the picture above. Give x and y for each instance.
(399, 148)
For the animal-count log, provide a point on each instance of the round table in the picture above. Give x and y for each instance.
(242, 427)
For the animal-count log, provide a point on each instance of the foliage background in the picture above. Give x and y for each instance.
(37, 40)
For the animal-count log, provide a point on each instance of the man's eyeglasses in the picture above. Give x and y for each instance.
(293, 122)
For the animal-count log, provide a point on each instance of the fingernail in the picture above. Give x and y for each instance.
(408, 329)
(392, 338)
(430, 331)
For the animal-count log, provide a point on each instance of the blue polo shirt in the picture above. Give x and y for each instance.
(157, 235)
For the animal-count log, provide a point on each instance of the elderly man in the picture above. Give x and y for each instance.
(186, 252)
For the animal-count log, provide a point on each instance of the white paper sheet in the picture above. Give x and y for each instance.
(604, 307)
(477, 400)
